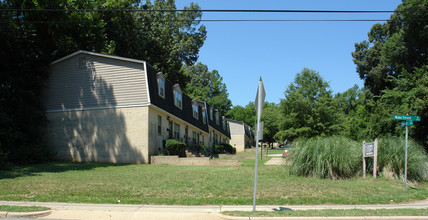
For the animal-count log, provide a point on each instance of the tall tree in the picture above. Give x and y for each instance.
(207, 86)
(393, 64)
(307, 108)
(245, 114)
(271, 117)
(352, 112)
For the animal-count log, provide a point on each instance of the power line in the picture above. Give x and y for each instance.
(213, 10)
(211, 20)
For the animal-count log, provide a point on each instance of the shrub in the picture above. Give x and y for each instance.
(391, 158)
(329, 157)
(206, 150)
(194, 147)
(218, 149)
(229, 149)
(174, 147)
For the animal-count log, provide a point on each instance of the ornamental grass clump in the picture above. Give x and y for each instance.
(391, 159)
(333, 157)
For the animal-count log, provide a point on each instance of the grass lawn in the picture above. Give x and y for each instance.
(193, 185)
(10, 208)
(332, 212)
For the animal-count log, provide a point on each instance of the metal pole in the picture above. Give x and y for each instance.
(255, 170)
(405, 161)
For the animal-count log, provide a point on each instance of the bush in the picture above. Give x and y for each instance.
(218, 149)
(229, 149)
(174, 147)
(333, 157)
(206, 150)
(391, 158)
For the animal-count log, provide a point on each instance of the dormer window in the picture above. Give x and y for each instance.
(161, 84)
(195, 110)
(211, 114)
(178, 96)
(217, 119)
(204, 116)
(224, 123)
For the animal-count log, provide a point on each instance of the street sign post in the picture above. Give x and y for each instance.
(260, 100)
(407, 121)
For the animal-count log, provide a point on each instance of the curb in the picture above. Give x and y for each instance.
(25, 214)
(226, 217)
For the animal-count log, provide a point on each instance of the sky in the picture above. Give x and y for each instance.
(242, 52)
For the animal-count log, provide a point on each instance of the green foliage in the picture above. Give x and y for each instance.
(229, 148)
(207, 86)
(271, 117)
(219, 149)
(7, 208)
(206, 150)
(334, 157)
(394, 66)
(245, 114)
(174, 147)
(194, 147)
(391, 156)
(307, 108)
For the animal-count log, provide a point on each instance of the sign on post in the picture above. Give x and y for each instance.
(407, 121)
(260, 100)
(370, 150)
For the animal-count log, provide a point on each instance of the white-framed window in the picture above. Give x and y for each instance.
(204, 116)
(195, 110)
(194, 137)
(159, 125)
(211, 114)
(217, 118)
(161, 84)
(176, 131)
(178, 96)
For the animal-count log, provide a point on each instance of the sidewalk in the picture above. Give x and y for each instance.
(120, 211)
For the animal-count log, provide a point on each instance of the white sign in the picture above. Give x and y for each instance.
(370, 150)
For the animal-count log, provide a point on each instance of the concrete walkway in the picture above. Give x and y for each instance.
(120, 211)
(275, 161)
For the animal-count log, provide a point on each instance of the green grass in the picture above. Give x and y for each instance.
(274, 151)
(331, 213)
(9, 208)
(391, 158)
(193, 185)
(327, 157)
(338, 157)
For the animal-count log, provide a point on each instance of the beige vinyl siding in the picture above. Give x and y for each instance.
(103, 82)
(236, 128)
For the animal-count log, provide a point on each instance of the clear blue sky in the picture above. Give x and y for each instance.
(276, 51)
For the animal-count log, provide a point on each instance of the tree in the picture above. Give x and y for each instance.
(207, 86)
(245, 114)
(271, 117)
(307, 108)
(352, 112)
(394, 65)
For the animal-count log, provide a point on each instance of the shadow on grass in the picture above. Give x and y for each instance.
(281, 209)
(52, 167)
